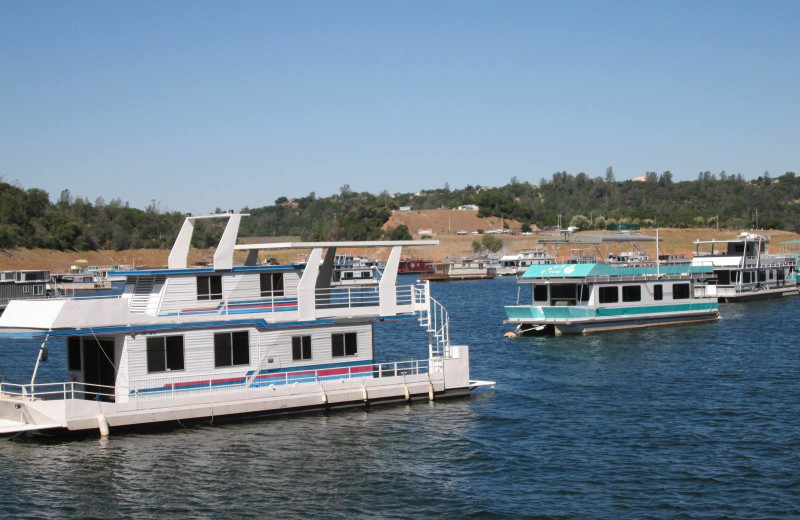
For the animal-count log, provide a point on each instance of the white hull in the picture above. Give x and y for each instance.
(24, 414)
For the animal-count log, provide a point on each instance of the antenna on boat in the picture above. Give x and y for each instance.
(658, 260)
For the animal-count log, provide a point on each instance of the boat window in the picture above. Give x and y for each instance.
(209, 287)
(301, 348)
(658, 292)
(26, 289)
(631, 293)
(164, 353)
(38, 290)
(540, 293)
(609, 294)
(74, 353)
(747, 277)
(583, 293)
(563, 294)
(781, 274)
(762, 276)
(723, 277)
(344, 344)
(272, 284)
(231, 348)
(680, 291)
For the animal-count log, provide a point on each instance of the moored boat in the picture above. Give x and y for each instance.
(583, 298)
(745, 270)
(517, 264)
(462, 269)
(183, 345)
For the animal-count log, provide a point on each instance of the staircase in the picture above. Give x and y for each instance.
(142, 291)
(436, 321)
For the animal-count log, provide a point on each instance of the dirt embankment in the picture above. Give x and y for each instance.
(451, 244)
(446, 221)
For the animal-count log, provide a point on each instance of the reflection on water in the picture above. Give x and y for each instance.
(683, 421)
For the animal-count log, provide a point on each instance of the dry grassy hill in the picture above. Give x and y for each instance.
(447, 221)
(453, 245)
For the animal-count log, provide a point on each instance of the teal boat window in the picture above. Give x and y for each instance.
(658, 292)
(609, 294)
(632, 293)
(680, 291)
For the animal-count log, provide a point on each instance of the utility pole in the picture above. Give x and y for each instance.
(756, 218)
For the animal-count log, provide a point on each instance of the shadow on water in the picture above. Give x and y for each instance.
(685, 421)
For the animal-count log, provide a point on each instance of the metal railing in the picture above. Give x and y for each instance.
(207, 384)
(59, 391)
(225, 382)
(181, 307)
(434, 317)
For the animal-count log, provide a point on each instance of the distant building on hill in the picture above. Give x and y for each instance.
(468, 207)
(404, 208)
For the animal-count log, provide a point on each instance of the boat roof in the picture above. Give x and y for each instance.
(597, 269)
(348, 244)
(796, 241)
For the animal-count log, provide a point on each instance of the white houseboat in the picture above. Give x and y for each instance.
(583, 298)
(745, 269)
(513, 265)
(183, 345)
(462, 269)
(22, 285)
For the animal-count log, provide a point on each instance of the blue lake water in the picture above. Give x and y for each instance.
(697, 421)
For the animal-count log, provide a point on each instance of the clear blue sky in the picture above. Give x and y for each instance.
(233, 104)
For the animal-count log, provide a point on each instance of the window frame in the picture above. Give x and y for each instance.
(345, 345)
(165, 347)
(299, 348)
(682, 285)
(220, 350)
(272, 291)
(206, 282)
(602, 296)
(636, 297)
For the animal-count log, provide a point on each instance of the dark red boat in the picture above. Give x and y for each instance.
(415, 266)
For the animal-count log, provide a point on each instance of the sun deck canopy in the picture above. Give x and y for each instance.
(598, 270)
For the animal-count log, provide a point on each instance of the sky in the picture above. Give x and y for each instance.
(200, 105)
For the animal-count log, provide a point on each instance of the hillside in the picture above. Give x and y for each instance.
(446, 221)
(672, 241)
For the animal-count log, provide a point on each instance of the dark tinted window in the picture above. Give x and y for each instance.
(74, 353)
(337, 343)
(680, 291)
(164, 353)
(301, 347)
(609, 294)
(241, 348)
(632, 293)
(583, 293)
(209, 287)
(658, 292)
(223, 356)
(271, 284)
(344, 344)
(540, 293)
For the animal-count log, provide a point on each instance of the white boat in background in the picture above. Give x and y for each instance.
(583, 298)
(183, 345)
(460, 269)
(745, 269)
(513, 265)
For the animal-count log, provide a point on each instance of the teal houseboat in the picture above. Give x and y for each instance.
(583, 298)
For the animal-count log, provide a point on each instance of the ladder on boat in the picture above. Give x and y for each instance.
(436, 321)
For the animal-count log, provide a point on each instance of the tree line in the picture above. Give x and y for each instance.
(29, 219)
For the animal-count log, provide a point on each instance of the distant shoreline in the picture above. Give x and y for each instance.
(673, 240)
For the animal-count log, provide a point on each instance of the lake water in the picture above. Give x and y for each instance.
(670, 422)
